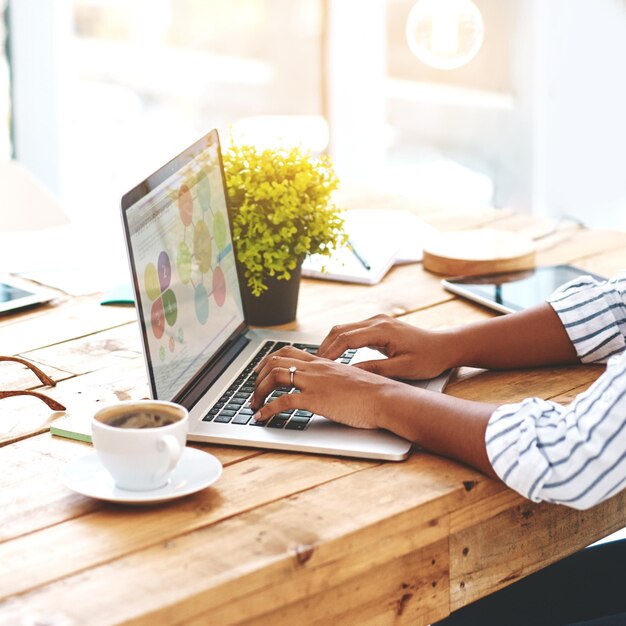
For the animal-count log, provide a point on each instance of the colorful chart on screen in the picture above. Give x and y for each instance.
(187, 274)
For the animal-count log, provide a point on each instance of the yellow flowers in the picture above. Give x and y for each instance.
(282, 210)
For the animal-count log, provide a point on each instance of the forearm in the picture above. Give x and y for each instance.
(531, 338)
(449, 426)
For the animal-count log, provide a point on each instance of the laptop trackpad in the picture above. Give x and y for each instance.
(434, 384)
(367, 354)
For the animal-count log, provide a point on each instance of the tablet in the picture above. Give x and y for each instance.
(514, 291)
(19, 294)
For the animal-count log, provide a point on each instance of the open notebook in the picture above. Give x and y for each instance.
(381, 238)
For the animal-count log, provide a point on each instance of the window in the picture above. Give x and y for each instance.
(151, 76)
(5, 92)
(534, 122)
(455, 115)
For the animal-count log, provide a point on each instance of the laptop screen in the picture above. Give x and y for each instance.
(183, 265)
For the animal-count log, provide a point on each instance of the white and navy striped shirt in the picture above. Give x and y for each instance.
(573, 455)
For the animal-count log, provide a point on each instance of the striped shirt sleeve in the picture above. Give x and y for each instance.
(574, 455)
(594, 316)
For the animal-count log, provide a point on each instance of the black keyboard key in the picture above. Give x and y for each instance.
(238, 401)
(232, 407)
(223, 419)
(241, 418)
(302, 413)
(276, 422)
(278, 345)
(299, 418)
(291, 425)
(345, 361)
(208, 417)
(255, 423)
(228, 413)
(307, 347)
(246, 411)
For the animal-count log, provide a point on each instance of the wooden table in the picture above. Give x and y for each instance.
(281, 538)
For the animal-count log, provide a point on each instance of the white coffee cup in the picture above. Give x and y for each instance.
(140, 457)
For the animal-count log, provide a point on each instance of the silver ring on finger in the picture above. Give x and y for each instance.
(292, 374)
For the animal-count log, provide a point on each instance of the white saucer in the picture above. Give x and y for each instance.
(195, 471)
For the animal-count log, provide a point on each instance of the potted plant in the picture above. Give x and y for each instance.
(282, 209)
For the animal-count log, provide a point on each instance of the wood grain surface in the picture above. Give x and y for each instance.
(281, 538)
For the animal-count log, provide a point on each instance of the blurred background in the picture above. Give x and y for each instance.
(96, 94)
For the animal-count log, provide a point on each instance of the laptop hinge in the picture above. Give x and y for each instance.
(206, 377)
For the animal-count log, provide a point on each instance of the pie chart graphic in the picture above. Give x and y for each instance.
(165, 270)
(170, 307)
(157, 318)
(204, 190)
(183, 262)
(201, 299)
(219, 228)
(219, 286)
(185, 205)
(151, 280)
(202, 246)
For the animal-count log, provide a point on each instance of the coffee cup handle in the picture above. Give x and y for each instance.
(170, 444)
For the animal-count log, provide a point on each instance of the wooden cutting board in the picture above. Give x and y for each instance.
(481, 251)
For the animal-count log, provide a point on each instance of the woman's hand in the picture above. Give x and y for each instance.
(342, 393)
(412, 353)
(352, 396)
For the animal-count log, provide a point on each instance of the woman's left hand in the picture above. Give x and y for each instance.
(339, 392)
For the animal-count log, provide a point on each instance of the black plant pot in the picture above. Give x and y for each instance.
(276, 305)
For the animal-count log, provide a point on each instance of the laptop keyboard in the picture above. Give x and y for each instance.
(234, 405)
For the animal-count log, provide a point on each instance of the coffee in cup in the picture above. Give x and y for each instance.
(142, 419)
(140, 442)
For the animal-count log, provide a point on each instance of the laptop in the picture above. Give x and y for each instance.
(198, 348)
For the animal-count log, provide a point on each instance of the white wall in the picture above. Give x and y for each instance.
(552, 138)
(579, 112)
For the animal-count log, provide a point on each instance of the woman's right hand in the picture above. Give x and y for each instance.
(412, 353)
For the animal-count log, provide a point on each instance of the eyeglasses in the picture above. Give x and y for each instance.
(44, 378)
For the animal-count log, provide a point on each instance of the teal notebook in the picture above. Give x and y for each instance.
(122, 294)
